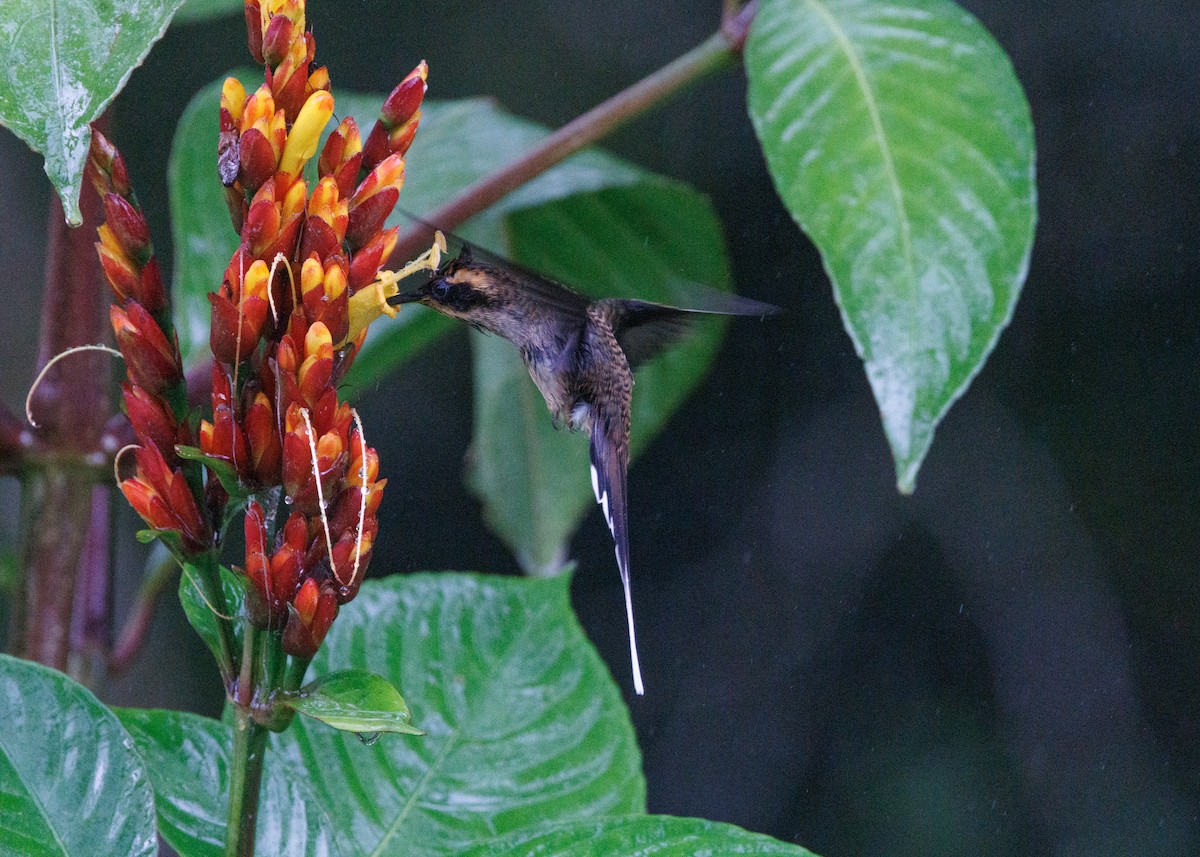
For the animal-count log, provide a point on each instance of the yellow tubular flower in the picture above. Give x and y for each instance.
(233, 98)
(306, 132)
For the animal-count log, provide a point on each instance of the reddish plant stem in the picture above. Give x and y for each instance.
(71, 407)
(90, 613)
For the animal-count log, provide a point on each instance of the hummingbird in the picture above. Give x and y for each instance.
(581, 354)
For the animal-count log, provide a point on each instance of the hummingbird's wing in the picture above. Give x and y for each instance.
(644, 329)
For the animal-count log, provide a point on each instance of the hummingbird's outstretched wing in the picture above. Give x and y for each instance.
(644, 329)
(610, 465)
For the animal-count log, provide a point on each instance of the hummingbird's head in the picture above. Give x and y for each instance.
(460, 289)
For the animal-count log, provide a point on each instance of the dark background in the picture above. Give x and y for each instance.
(1005, 662)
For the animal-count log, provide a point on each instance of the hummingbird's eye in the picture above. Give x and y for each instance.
(440, 290)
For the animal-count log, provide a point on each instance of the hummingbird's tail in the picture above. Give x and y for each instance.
(633, 655)
(608, 481)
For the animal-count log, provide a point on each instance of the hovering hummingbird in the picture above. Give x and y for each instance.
(581, 354)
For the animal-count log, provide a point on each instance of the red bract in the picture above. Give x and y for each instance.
(164, 499)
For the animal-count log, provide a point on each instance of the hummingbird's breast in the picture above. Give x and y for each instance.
(552, 360)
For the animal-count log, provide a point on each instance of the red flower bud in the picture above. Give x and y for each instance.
(151, 419)
(342, 156)
(371, 257)
(254, 33)
(403, 101)
(151, 361)
(128, 227)
(223, 438)
(150, 292)
(314, 609)
(106, 168)
(258, 159)
(227, 323)
(162, 497)
(262, 432)
(319, 239)
(398, 118)
(277, 39)
(367, 218)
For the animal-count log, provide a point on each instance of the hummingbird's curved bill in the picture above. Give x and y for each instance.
(581, 354)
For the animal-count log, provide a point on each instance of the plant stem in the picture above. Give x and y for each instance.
(56, 506)
(714, 53)
(58, 472)
(245, 779)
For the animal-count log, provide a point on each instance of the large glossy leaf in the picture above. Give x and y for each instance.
(524, 723)
(637, 836)
(71, 782)
(188, 758)
(901, 142)
(64, 60)
(650, 241)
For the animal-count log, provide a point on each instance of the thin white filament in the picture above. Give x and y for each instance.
(362, 506)
(312, 448)
(117, 460)
(38, 380)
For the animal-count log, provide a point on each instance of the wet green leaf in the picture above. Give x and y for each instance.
(71, 782)
(524, 723)
(202, 615)
(899, 138)
(354, 701)
(637, 836)
(222, 468)
(64, 62)
(189, 756)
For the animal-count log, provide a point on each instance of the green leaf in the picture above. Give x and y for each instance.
(524, 724)
(202, 615)
(188, 759)
(71, 782)
(900, 140)
(203, 10)
(653, 241)
(64, 62)
(222, 468)
(637, 836)
(354, 701)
